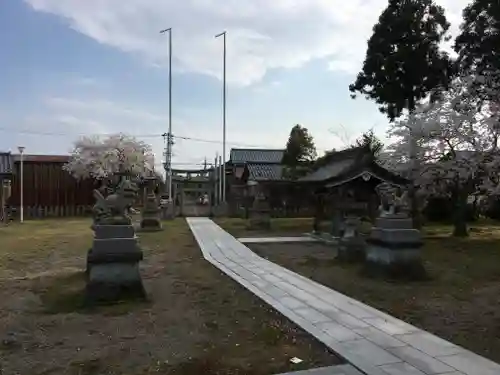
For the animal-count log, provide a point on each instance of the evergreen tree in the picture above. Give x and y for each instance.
(370, 140)
(403, 62)
(300, 147)
(300, 152)
(478, 44)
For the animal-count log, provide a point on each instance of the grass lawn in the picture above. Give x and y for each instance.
(198, 321)
(460, 303)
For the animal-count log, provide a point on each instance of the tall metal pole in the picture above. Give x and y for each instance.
(220, 178)
(21, 185)
(216, 181)
(223, 34)
(169, 135)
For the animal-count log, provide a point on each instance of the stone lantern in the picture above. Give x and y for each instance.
(150, 221)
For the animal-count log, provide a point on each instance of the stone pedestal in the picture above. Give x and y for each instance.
(167, 209)
(113, 265)
(394, 249)
(260, 214)
(351, 247)
(150, 221)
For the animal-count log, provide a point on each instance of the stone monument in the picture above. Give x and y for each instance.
(150, 221)
(260, 212)
(113, 261)
(394, 246)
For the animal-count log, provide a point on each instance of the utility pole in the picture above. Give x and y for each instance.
(220, 178)
(216, 178)
(170, 142)
(205, 164)
(21, 186)
(223, 34)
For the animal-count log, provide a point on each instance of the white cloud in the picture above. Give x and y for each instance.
(262, 34)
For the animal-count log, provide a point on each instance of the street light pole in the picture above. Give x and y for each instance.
(223, 34)
(169, 135)
(21, 185)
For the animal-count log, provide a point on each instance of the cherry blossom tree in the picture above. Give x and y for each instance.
(102, 158)
(457, 143)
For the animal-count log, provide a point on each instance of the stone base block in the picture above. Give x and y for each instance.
(113, 231)
(168, 212)
(403, 264)
(392, 222)
(352, 250)
(111, 282)
(396, 237)
(151, 225)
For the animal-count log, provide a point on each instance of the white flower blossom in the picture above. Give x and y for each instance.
(101, 158)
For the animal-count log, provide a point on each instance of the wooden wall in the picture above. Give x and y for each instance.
(51, 191)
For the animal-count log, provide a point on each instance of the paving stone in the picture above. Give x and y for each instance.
(321, 306)
(421, 361)
(330, 370)
(370, 352)
(312, 315)
(430, 344)
(276, 239)
(347, 320)
(369, 338)
(391, 326)
(401, 368)
(292, 303)
(471, 363)
(338, 332)
(380, 338)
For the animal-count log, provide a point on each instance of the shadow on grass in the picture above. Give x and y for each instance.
(66, 294)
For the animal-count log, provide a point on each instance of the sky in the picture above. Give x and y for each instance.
(82, 67)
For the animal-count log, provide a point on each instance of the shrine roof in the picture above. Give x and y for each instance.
(265, 172)
(347, 165)
(6, 163)
(259, 156)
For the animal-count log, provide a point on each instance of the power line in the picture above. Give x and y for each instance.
(31, 132)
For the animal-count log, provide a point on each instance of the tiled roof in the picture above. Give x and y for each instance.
(5, 163)
(331, 170)
(261, 156)
(265, 172)
(42, 158)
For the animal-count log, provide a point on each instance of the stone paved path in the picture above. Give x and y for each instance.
(276, 239)
(374, 342)
(330, 370)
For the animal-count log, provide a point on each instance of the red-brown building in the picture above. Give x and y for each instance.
(48, 189)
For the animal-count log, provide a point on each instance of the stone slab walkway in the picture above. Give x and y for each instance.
(276, 239)
(330, 370)
(372, 341)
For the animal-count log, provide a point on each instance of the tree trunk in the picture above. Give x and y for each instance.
(460, 215)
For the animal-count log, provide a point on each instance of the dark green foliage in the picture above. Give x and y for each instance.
(403, 62)
(300, 152)
(371, 141)
(300, 147)
(323, 160)
(478, 44)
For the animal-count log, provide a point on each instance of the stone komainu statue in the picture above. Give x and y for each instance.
(392, 199)
(114, 208)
